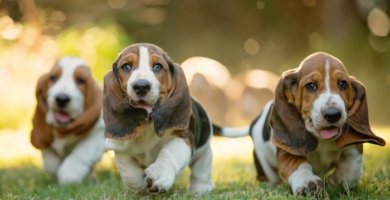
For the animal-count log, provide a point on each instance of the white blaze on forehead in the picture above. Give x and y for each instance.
(143, 58)
(66, 80)
(69, 65)
(327, 76)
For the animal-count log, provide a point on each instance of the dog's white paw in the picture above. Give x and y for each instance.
(133, 179)
(51, 162)
(304, 182)
(307, 185)
(72, 172)
(158, 178)
(198, 188)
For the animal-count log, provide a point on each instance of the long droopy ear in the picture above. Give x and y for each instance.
(358, 129)
(41, 136)
(175, 111)
(122, 121)
(92, 109)
(289, 132)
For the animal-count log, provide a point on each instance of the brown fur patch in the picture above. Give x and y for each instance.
(288, 163)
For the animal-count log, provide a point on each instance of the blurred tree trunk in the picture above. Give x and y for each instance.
(29, 11)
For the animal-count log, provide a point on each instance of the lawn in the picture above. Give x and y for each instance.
(233, 174)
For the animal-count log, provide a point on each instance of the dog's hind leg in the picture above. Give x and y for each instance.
(200, 180)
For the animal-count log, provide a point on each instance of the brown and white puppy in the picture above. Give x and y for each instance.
(153, 125)
(317, 122)
(67, 123)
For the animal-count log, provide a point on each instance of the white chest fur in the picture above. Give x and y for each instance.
(144, 148)
(324, 157)
(65, 145)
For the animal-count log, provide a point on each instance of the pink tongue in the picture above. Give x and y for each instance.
(62, 117)
(145, 107)
(329, 133)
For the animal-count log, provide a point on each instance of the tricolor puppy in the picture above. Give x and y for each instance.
(67, 124)
(317, 122)
(153, 125)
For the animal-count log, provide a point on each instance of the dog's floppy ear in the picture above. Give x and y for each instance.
(122, 121)
(175, 111)
(92, 108)
(93, 102)
(289, 129)
(41, 136)
(358, 127)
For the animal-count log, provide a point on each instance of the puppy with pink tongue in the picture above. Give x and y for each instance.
(315, 126)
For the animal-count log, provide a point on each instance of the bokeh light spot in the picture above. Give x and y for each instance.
(214, 71)
(251, 46)
(379, 44)
(378, 22)
(9, 29)
(316, 41)
(309, 3)
(154, 15)
(261, 79)
(260, 5)
(116, 4)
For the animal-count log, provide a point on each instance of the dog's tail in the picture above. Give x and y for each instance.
(230, 132)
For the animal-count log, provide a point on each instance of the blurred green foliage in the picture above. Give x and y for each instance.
(13, 117)
(99, 44)
(272, 35)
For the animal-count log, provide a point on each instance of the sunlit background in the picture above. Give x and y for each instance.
(250, 44)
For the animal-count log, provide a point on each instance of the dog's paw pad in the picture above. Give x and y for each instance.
(310, 188)
(158, 178)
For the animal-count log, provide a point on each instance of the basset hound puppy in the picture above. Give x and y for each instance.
(68, 126)
(317, 122)
(153, 125)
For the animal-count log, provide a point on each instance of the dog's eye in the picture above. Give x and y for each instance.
(343, 84)
(80, 81)
(157, 67)
(311, 87)
(53, 78)
(126, 67)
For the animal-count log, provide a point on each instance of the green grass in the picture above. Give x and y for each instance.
(234, 179)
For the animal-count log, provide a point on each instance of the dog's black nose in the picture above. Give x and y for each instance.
(62, 100)
(141, 87)
(332, 115)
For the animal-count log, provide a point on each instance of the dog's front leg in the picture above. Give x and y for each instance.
(77, 165)
(51, 161)
(171, 159)
(131, 172)
(349, 169)
(299, 174)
